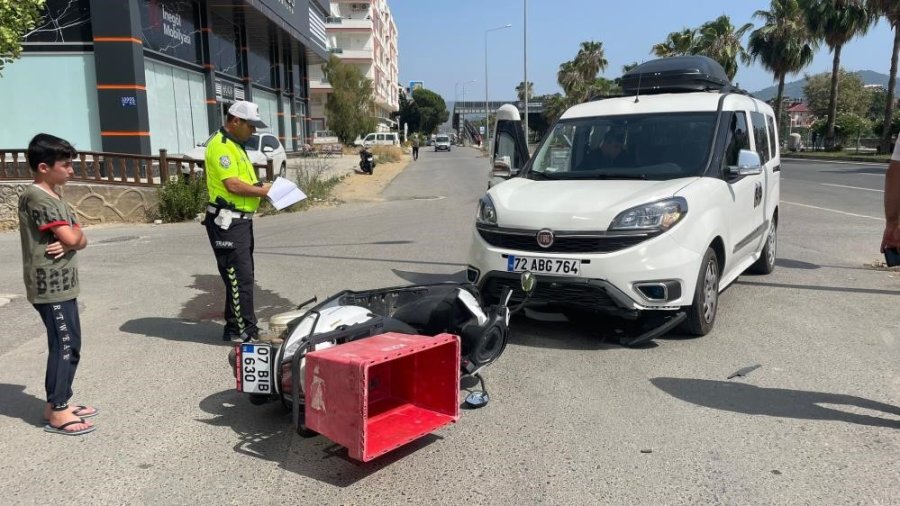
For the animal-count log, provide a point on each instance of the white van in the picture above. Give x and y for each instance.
(379, 139)
(643, 206)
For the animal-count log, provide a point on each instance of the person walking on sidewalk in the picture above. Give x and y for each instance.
(234, 194)
(415, 147)
(51, 236)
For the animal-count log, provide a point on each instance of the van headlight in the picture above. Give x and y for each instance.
(487, 213)
(656, 216)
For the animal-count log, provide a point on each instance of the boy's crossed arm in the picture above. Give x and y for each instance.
(68, 238)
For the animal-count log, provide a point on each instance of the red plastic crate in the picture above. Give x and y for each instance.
(377, 394)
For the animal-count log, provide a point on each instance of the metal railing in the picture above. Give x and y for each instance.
(116, 168)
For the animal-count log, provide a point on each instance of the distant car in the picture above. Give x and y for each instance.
(271, 149)
(442, 143)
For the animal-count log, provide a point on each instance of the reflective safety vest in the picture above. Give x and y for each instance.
(225, 158)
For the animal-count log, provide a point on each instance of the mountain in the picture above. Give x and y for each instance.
(795, 89)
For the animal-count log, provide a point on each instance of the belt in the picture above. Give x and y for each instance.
(235, 214)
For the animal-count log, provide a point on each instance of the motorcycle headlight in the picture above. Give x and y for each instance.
(656, 216)
(487, 213)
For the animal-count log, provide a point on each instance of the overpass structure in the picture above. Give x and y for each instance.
(464, 112)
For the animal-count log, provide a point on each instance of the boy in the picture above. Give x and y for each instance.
(50, 237)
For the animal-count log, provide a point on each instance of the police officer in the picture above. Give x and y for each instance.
(234, 194)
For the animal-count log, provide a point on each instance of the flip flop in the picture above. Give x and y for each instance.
(82, 408)
(95, 412)
(61, 429)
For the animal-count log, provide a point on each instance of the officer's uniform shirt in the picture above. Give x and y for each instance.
(226, 158)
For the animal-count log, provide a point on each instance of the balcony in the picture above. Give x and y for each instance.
(353, 54)
(347, 24)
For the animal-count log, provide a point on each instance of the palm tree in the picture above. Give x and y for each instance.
(521, 90)
(629, 66)
(890, 9)
(783, 44)
(569, 78)
(721, 41)
(836, 22)
(590, 60)
(677, 44)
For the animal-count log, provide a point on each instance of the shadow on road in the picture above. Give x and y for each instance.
(265, 432)
(777, 402)
(17, 404)
(200, 319)
(425, 278)
(603, 334)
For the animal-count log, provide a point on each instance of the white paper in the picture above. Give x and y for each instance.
(284, 193)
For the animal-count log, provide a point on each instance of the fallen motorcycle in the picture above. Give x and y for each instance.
(273, 371)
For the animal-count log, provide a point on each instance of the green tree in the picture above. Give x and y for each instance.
(854, 97)
(17, 17)
(569, 78)
(783, 44)
(521, 90)
(849, 127)
(408, 114)
(554, 106)
(890, 9)
(721, 41)
(677, 44)
(349, 106)
(432, 110)
(836, 22)
(590, 60)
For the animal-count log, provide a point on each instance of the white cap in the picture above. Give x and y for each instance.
(247, 111)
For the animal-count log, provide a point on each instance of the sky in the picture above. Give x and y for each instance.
(443, 43)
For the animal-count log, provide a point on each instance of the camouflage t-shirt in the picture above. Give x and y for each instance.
(46, 279)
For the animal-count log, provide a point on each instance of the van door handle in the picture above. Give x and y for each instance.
(776, 168)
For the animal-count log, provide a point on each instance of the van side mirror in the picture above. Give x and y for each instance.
(268, 149)
(501, 168)
(749, 164)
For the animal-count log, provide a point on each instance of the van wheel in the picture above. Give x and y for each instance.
(701, 315)
(766, 262)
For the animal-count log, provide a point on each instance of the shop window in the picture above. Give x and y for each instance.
(172, 27)
(224, 46)
(63, 21)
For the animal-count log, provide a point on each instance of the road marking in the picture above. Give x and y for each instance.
(833, 211)
(852, 187)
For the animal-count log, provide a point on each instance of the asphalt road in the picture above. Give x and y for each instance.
(574, 418)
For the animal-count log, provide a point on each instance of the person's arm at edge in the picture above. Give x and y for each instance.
(891, 206)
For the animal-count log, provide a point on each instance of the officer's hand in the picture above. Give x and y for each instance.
(265, 187)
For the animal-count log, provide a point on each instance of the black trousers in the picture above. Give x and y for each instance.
(415, 153)
(234, 257)
(64, 346)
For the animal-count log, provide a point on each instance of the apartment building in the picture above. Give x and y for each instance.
(360, 33)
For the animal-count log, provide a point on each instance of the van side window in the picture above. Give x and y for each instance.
(737, 138)
(380, 137)
(773, 136)
(760, 137)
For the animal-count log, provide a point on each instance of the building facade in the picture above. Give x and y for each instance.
(361, 33)
(136, 76)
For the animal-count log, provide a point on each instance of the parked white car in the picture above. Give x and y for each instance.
(644, 206)
(260, 148)
(379, 139)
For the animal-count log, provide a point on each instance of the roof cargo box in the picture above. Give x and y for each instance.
(675, 74)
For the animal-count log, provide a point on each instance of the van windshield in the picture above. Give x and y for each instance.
(648, 146)
(442, 138)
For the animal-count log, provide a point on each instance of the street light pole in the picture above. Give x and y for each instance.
(464, 99)
(487, 112)
(525, 65)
